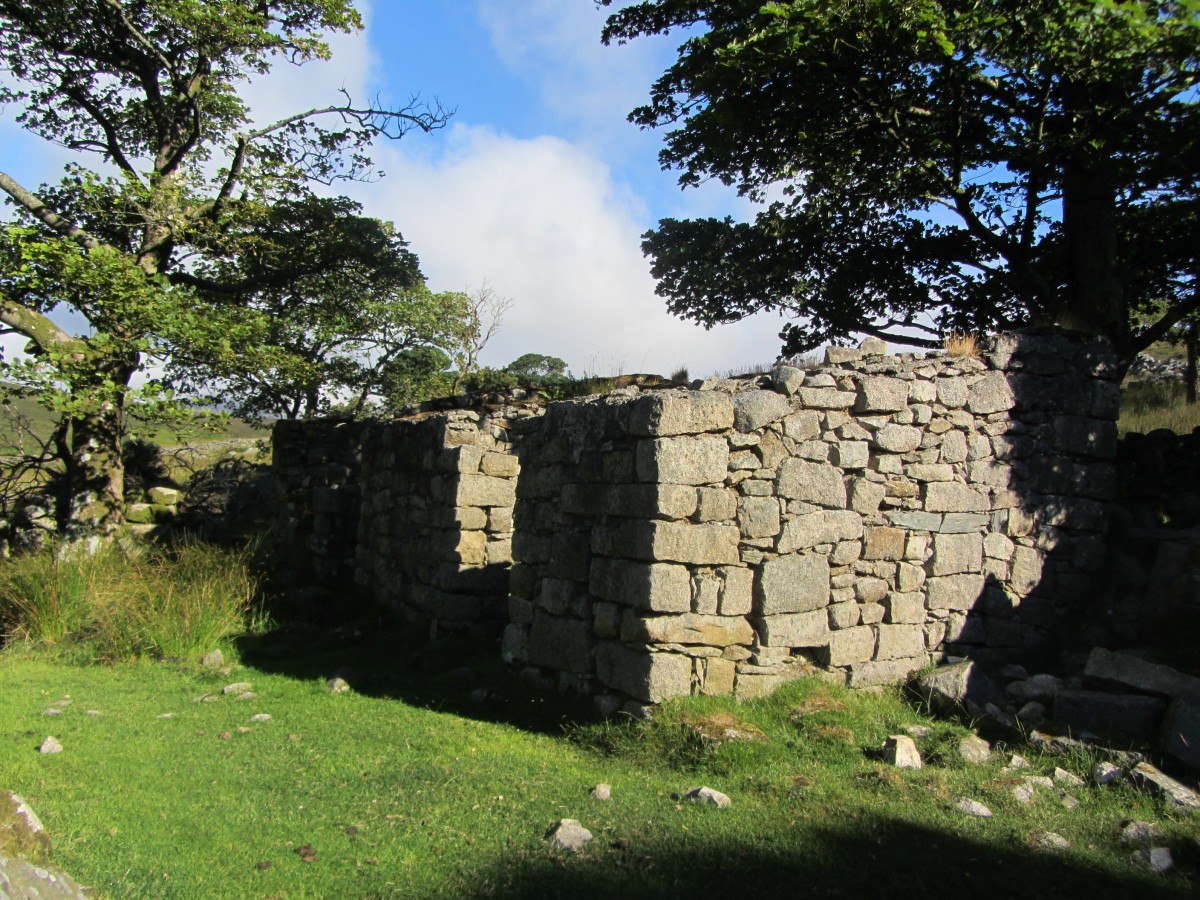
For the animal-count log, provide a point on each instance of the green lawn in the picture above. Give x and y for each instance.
(408, 786)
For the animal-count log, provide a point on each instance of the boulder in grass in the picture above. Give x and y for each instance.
(959, 687)
(901, 751)
(707, 796)
(21, 878)
(21, 831)
(568, 834)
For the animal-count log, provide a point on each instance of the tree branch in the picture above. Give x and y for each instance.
(33, 205)
(112, 143)
(35, 326)
(137, 36)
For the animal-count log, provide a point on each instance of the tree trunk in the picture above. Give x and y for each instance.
(95, 501)
(95, 476)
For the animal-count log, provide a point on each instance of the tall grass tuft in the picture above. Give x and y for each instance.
(120, 604)
(45, 597)
(1148, 405)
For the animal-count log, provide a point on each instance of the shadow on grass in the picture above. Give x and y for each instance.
(876, 859)
(380, 656)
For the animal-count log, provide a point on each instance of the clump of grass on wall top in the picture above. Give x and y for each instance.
(962, 344)
(127, 601)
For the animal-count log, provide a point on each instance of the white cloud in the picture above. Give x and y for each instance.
(545, 223)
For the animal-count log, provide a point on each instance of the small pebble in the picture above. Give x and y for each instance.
(602, 792)
(337, 685)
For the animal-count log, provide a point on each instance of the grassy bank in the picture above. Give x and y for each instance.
(438, 775)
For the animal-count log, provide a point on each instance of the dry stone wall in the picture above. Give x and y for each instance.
(415, 512)
(862, 518)
(866, 517)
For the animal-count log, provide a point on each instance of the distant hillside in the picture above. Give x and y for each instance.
(41, 422)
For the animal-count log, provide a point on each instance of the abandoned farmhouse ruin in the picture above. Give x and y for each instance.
(866, 517)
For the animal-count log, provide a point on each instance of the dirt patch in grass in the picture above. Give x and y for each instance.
(818, 702)
(721, 727)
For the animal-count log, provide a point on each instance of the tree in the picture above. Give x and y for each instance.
(484, 311)
(537, 368)
(931, 165)
(336, 327)
(149, 249)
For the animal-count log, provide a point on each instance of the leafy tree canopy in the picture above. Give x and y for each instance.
(197, 225)
(932, 165)
(536, 367)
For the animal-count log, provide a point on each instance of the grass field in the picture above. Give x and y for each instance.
(439, 774)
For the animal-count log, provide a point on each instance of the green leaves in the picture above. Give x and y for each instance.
(873, 119)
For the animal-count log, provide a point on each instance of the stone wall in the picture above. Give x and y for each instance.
(864, 517)
(867, 517)
(416, 512)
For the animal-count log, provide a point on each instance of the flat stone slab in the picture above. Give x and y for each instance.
(1176, 794)
(1121, 671)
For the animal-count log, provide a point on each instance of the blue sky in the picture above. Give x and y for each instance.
(538, 186)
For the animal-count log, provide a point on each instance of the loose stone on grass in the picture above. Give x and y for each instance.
(50, 745)
(1106, 773)
(901, 751)
(974, 749)
(239, 687)
(1062, 777)
(1015, 762)
(1175, 794)
(1157, 859)
(973, 808)
(1049, 840)
(707, 796)
(261, 717)
(337, 685)
(1024, 793)
(602, 792)
(213, 660)
(1139, 834)
(568, 834)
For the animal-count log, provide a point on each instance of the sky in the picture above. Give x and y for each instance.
(537, 187)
